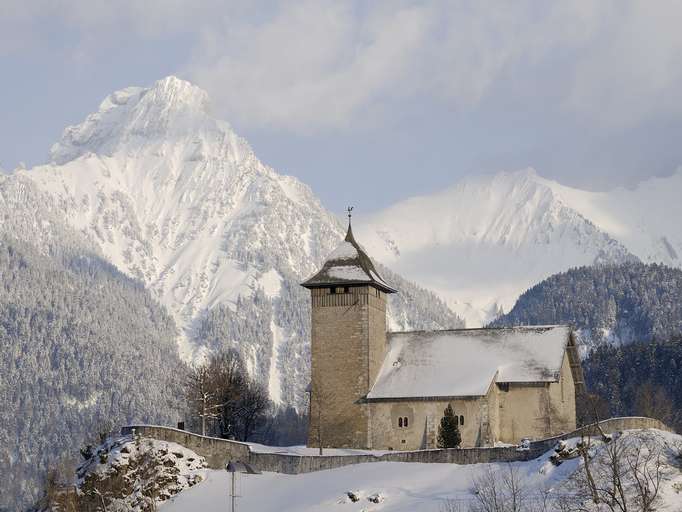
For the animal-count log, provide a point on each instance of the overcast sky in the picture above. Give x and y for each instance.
(370, 102)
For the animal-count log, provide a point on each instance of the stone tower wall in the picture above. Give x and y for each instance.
(347, 348)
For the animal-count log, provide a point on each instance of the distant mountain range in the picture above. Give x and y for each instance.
(484, 241)
(171, 196)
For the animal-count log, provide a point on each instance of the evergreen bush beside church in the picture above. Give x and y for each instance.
(448, 431)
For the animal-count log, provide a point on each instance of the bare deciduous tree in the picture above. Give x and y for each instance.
(220, 392)
(202, 394)
(501, 490)
(625, 475)
(251, 409)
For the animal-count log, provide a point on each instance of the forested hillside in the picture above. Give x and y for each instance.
(615, 303)
(642, 379)
(82, 346)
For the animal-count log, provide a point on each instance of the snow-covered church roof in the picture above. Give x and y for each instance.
(348, 264)
(465, 362)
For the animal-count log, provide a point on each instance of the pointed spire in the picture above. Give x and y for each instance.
(348, 264)
(349, 234)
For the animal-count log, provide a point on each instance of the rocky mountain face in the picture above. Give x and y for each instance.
(173, 197)
(484, 241)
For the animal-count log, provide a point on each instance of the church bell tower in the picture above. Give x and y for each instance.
(348, 345)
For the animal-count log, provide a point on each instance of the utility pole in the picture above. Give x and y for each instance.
(235, 467)
(233, 492)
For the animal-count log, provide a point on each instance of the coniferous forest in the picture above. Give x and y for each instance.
(84, 348)
(617, 303)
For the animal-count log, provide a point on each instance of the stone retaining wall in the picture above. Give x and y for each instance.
(215, 450)
(218, 451)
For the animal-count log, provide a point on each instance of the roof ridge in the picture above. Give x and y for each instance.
(496, 328)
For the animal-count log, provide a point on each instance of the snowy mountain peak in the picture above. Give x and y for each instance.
(133, 117)
(483, 241)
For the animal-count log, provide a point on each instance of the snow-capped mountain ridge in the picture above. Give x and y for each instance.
(483, 241)
(644, 218)
(136, 116)
(172, 196)
(175, 197)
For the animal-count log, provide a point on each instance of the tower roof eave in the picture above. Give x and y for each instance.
(348, 265)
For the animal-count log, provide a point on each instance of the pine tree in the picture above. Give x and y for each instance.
(448, 432)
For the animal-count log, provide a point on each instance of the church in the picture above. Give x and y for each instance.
(375, 389)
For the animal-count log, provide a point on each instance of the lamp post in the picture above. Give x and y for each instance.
(235, 467)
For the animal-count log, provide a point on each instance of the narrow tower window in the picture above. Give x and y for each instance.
(405, 422)
(400, 422)
(461, 420)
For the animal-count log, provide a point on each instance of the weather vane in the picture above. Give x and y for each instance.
(349, 210)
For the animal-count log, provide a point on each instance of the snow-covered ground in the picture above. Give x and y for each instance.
(402, 486)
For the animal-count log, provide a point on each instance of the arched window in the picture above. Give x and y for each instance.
(461, 420)
(405, 422)
(400, 422)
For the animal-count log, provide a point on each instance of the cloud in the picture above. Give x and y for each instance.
(632, 71)
(315, 65)
(312, 66)
(321, 65)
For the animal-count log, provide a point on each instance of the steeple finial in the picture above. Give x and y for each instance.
(349, 234)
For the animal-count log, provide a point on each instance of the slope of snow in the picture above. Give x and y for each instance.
(646, 219)
(177, 199)
(487, 239)
(401, 486)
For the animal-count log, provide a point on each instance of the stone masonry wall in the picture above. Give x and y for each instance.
(219, 451)
(348, 343)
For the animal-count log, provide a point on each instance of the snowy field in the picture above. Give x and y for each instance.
(405, 486)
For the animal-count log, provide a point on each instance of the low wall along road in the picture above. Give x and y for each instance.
(218, 452)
